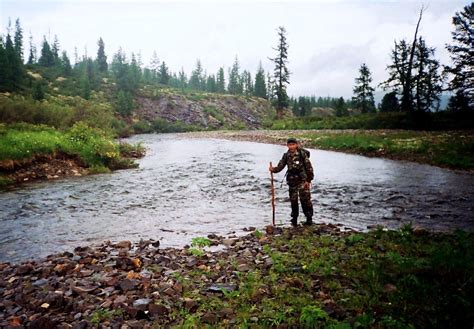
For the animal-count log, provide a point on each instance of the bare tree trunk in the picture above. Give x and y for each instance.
(407, 96)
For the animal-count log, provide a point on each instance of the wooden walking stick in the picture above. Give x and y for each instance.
(273, 196)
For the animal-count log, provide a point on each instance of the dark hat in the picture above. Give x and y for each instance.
(291, 140)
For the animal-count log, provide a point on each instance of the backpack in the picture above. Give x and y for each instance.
(304, 152)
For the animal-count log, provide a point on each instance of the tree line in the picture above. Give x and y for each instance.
(415, 83)
(127, 72)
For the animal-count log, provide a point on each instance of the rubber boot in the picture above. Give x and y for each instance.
(309, 221)
(294, 222)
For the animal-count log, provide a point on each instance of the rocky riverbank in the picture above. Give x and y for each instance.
(305, 277)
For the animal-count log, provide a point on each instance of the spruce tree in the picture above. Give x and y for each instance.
(270, 87)
(260, 86)
(247, 83)
(135, 74)
(164, 74)
(196, 77)
(462, 56)
(14, 70)
(101, 60)
(18, 41)
(389, 103)
(47, 57)
(340, 107)
(32, 55)
(55, 51)
(85, 86)
(211, 84)
(38, 91)
(66, 64)
(220, 81)
(235, 83)
(281, 73)
(155, 66)
(183, 80)
(363, 92)
(5, 69)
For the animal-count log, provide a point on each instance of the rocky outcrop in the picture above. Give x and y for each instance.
(203, 110)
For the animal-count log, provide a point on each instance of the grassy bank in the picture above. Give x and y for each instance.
(427, 121)
(320, 278)
(452, 149)
(22, 144)
(446, 149)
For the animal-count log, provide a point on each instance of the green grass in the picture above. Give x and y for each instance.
(215, 113)
(380, 279)
(449, 149)
(434, 121)
(96, 149)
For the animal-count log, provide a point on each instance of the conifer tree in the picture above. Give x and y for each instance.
(462, 55)
(270, 87)
(260, 86)
(47, 57)
(183, 80)
(363, 92)
(32, 55)
(38, 91)
(164, 74)
(5, 69)
(66, 64)
(341, 107)
(195, 82)
(247, 83)
(281, 74)
(389, 103)
(14, 73)
(55, 50)
(101, 60)
(220, 81)
(235, 83)
(428, 82)
(18, 41)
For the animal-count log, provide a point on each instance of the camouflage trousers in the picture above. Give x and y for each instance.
(305, 198)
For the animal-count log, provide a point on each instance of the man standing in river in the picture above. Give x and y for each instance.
(299, 177)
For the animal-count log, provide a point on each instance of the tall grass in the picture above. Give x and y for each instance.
(23, 142)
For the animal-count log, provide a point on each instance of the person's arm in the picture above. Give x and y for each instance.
(309, 169)
(280, 166)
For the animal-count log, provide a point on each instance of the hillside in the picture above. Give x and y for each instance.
(153, 107)
(200, 110)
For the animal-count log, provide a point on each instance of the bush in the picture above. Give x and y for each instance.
(142, 127)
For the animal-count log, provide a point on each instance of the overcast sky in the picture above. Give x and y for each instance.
(328, 39)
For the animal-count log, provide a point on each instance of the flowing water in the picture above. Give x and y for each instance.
(193, 187)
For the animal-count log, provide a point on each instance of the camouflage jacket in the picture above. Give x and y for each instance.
(299, 167)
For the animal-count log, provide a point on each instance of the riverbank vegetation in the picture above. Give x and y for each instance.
(451, 149)
(394, 120)
(23, 145)
(445, 149)
(317, 277)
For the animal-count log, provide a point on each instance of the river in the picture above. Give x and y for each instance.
(189, 187)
